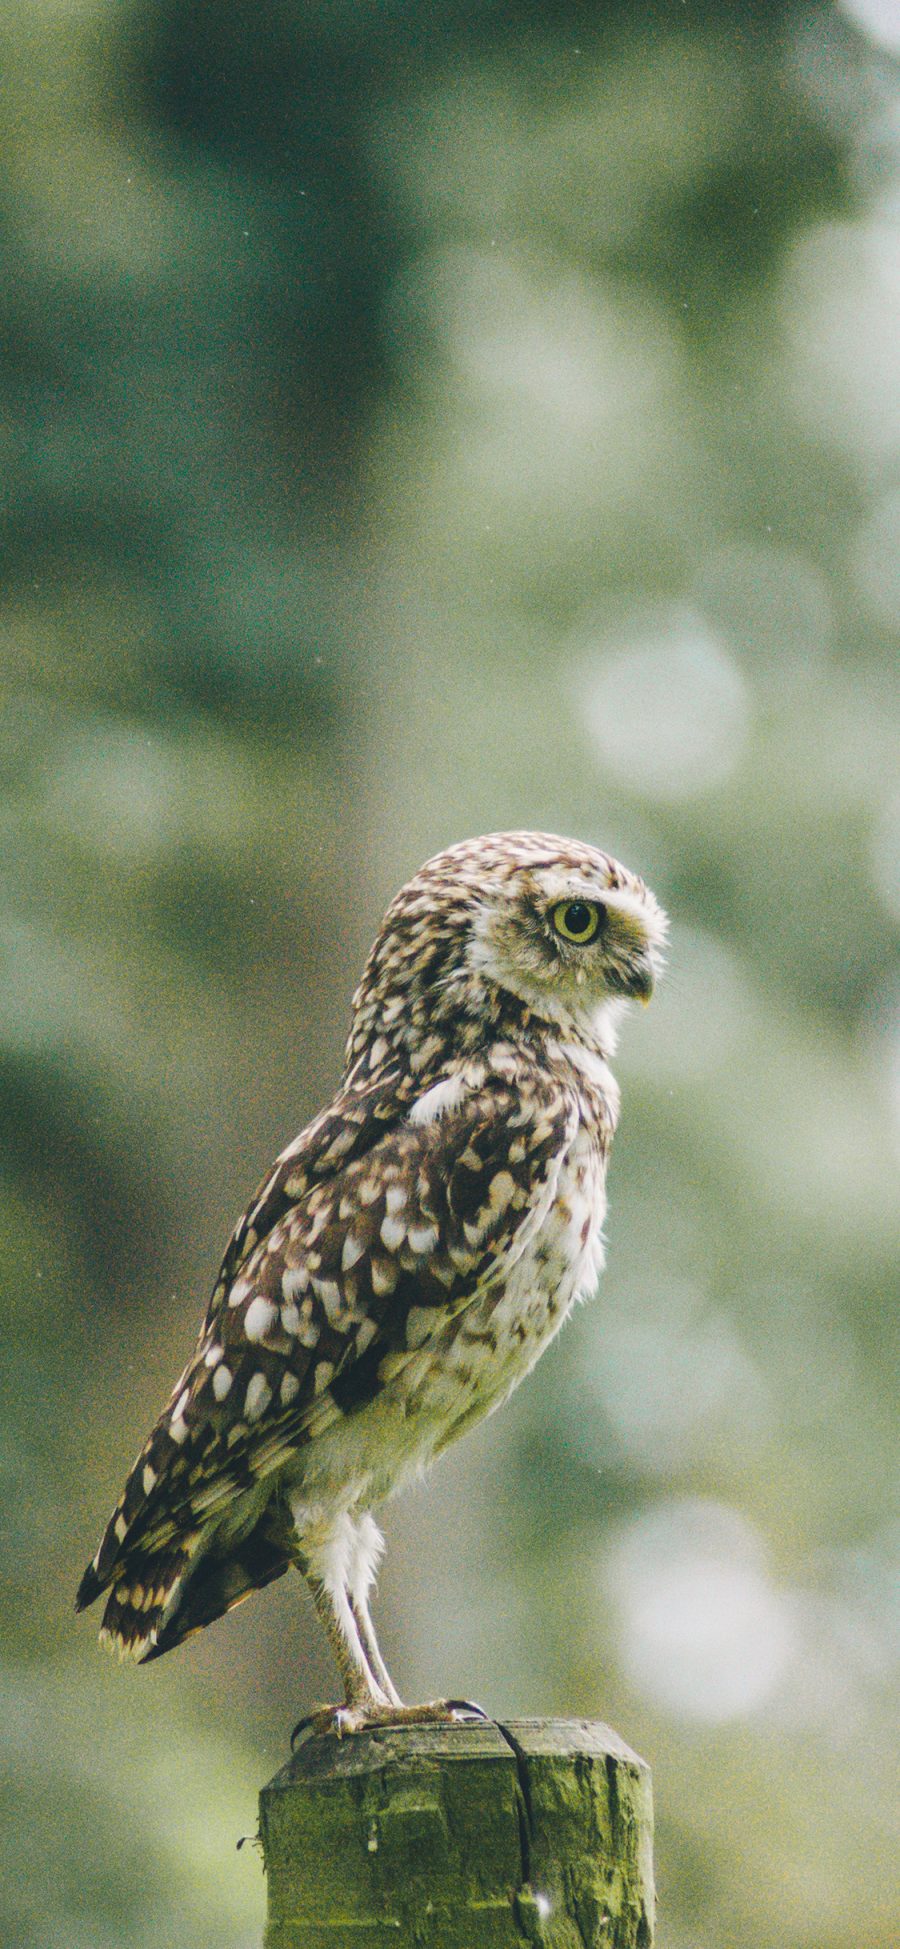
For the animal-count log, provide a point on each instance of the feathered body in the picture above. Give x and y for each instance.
(408, 1258)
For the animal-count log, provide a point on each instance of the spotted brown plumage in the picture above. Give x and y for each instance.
(408, 1257)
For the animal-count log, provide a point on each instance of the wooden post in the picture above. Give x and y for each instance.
(474, 1836)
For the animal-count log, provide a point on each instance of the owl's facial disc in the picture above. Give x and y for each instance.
(571, 943)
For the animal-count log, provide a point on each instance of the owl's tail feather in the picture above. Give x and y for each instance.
(215, 1586)
(146, 1590)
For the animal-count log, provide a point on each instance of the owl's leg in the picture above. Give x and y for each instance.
(323, 1551)
(367, 1554)
(362, 1692)
(338, 1559)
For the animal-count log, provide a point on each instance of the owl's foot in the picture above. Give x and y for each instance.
(446, 1712)
(369, 1717)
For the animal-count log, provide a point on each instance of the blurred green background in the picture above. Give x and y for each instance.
(417, 420)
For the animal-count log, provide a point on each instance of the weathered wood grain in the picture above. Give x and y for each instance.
(476, 1836)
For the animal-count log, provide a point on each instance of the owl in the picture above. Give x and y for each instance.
(406, 1260)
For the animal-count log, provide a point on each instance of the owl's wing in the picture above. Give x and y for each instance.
(346, 1130)
(346, 1285)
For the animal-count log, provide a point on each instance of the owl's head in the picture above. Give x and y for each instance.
(554, 924)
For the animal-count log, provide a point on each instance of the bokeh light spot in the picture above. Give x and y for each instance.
(704, 1631)
(878, 19)
(667, 709)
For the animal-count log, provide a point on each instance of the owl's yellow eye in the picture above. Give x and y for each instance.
(578, 921)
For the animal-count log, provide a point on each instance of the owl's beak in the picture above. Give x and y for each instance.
(640, 979)
(633, 939)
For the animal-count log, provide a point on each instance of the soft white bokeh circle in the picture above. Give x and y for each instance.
(704, 1631)
(878, 19)
(664, 704)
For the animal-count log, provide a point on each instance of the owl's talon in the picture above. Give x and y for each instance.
(465, 1709)
(337, 1719)
(302, 1726)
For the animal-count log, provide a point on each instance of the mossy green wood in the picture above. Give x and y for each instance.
(476, 1836)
